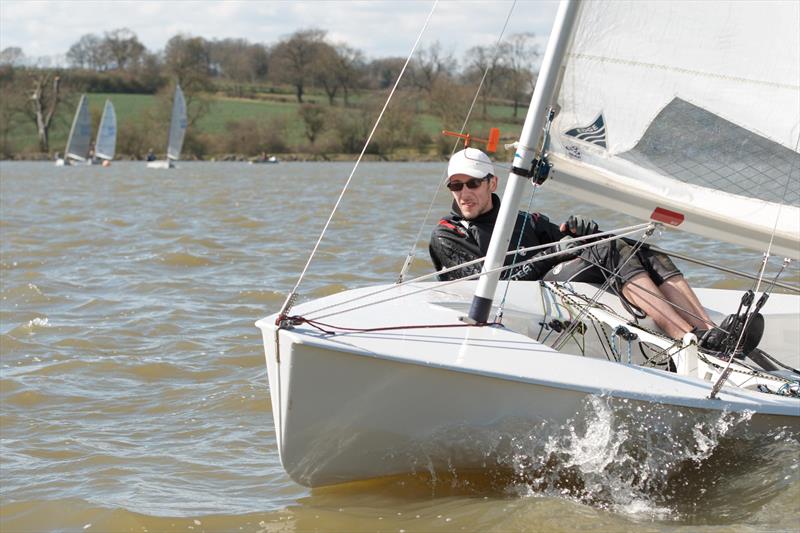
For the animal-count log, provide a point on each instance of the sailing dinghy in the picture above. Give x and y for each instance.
(415, 375)
(177, 132)
(106, 143)
(79, 140)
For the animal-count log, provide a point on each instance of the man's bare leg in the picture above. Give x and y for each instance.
(643, 293)
(678, 291)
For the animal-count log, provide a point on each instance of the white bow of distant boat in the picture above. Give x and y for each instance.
(384, 380)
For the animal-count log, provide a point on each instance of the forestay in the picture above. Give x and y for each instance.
(687, 113)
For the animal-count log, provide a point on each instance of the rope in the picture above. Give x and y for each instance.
(562, 338)
(412, 252)
(287, 304)
(321, 325)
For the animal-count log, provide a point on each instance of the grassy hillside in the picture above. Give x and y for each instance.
(150, 114)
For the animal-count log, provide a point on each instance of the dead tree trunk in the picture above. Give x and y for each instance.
(45, 101)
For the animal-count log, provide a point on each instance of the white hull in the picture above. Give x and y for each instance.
(161, 164)
(76, 162)
(361, 405)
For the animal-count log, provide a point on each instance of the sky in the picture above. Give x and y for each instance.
(379, 28)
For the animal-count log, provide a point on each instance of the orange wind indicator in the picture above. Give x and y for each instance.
(491, 142)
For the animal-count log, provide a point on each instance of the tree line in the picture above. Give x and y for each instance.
(305, 62)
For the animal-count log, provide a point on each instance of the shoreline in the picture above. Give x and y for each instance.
(288, 157)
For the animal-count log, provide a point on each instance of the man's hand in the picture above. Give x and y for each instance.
(565, 244)
(579, 226)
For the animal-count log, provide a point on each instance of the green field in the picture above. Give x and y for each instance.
(131, 108)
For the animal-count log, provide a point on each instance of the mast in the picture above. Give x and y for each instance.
(557, 46)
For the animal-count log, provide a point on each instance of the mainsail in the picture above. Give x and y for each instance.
(177, 125)
(687, 113)
(80, 133)
(106, 143)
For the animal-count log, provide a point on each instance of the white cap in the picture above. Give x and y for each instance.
(472, 162)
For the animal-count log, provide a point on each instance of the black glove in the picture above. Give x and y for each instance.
(580, 226)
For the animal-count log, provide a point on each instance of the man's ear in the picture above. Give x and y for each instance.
(493, 184)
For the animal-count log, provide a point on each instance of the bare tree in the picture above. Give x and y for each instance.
(237, 60)
(314, 119)
(123, 48)
(88, 52)
(399, 124)
(430, 65)
(189, 60)
(484, 59)
(519, 54)
(43, 104)
(12, 56)
(293, 59)
(349, 69)
(382, 73)
(325, 67)
(449, 101)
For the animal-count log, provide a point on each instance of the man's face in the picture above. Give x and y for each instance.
(473, 202)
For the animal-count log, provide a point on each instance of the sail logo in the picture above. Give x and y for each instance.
(594, 133)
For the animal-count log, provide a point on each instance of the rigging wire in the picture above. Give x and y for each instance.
(726, 372)
(412, 252)
(605, 237)
(287, 304)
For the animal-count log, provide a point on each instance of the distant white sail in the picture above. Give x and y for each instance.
(80, 133)
(690, 115)
(177, 125)
(106, 143)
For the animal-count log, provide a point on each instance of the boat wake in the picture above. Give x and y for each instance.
(645, 461)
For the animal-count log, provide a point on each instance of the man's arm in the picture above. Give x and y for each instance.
(450, 246)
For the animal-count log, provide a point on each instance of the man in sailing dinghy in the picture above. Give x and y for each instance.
(648, 281)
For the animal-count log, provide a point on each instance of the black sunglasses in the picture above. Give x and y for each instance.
(472, 183)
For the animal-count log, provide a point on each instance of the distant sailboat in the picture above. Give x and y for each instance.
(177, 131)
(106, 142)
(79, 136)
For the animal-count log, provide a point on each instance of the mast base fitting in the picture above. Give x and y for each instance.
(480, 309)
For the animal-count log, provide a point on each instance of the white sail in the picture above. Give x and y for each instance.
(177, 125)
(80, 133)
(687, 113)
(106, 143)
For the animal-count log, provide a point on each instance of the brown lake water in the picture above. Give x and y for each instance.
(133, 389)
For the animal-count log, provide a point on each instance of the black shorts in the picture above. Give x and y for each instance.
(596, 264)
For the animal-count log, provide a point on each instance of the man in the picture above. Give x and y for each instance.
(648, 280)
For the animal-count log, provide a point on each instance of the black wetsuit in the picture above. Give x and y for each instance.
(455, 240)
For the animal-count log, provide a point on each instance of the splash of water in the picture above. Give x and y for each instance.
(647, 461)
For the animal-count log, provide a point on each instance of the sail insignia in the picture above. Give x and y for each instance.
(594, 133)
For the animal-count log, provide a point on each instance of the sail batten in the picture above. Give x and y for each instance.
(689, 107)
